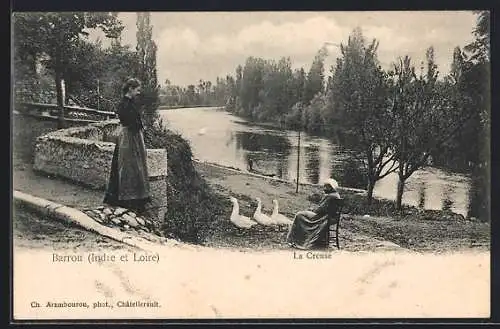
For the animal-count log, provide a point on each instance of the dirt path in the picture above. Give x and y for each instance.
(31, 231)
(54, 189)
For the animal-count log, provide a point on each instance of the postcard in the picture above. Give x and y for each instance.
(251, 165)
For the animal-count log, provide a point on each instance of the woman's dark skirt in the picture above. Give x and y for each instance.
(306, 233)
(128, 182)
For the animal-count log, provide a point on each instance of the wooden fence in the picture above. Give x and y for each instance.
(72, 113)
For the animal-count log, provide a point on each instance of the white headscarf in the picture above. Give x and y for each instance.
(333, 183)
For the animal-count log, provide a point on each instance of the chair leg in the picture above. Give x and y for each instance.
(337, 236)
(327, 238)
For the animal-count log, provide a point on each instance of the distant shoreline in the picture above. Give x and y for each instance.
(176, 107)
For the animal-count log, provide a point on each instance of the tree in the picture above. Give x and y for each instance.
(360, 93)
(480, 47)
(426, 114)
(146, 54)
(58, 35)
(251, 86)
(275, 92)
(312, 117)
(299, 85)
(477, 86)
(85, 68)
(315, 77)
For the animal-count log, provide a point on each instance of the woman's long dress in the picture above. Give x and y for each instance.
(310, 229)
(128, 182)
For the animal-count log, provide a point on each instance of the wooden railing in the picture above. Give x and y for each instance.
(70, 112)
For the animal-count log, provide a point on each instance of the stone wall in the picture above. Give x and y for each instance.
(83, 155)
(26, 129)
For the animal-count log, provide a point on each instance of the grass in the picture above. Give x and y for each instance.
(424, 235)
(413, 228)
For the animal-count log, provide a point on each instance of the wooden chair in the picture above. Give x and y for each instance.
(334, 225)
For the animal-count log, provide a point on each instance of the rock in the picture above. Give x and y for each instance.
(133, 214)
(107, 211)
(129, 220)
(116, 221)
(100, 208)
(98, 219)
(96, 212)
(102, 217)
(126, 226)
(140, 221)
(119, 211)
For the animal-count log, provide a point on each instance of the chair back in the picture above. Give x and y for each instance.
(334, 217)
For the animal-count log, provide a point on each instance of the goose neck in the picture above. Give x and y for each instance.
(275, 209)
(236, 208)
(259, 206)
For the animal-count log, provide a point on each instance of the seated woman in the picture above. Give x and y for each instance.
(310, 227)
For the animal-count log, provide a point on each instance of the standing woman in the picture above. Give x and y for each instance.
(128, 185)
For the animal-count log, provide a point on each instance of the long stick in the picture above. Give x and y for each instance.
(298, 164)
(98, 94)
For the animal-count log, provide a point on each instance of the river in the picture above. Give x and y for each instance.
(218, 136)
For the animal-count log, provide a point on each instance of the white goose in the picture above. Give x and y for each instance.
(279, 218)
(240, 221)
(260, 217)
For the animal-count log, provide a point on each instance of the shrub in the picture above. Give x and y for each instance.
(192, 204)
(352, 174)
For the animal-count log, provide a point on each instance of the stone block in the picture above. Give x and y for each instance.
(158, 206)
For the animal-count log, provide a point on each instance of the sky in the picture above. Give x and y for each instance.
(204, 45)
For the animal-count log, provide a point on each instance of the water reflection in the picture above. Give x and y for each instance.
(479, 195)
(261, 142)
(351, 172)
(274, 152)
(262, 150)
(281, 168)
(312, 163)
(447, 202)
(421, 195)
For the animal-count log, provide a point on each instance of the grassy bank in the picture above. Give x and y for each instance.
(430, 231)
(175, 107)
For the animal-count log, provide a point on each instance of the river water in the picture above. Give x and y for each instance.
(218, 136)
